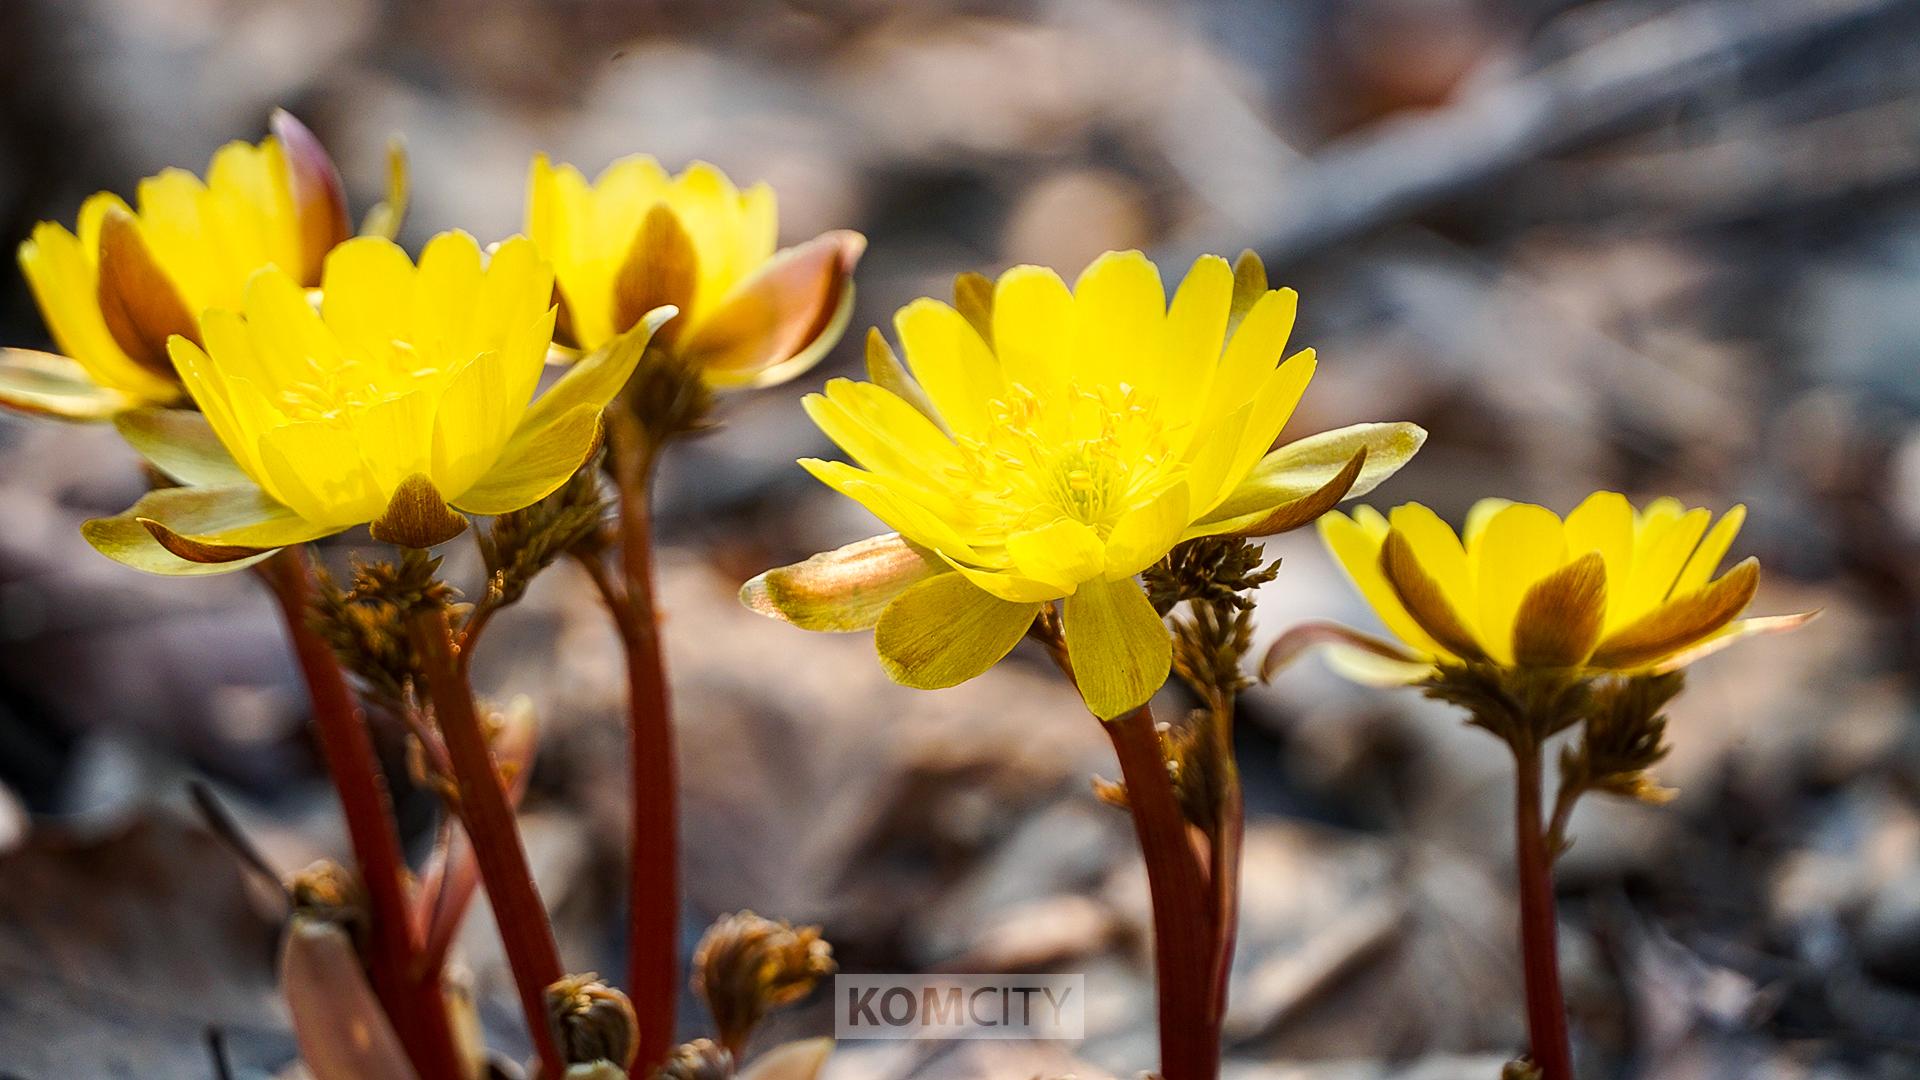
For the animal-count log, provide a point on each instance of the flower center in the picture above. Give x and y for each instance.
(1090, 454)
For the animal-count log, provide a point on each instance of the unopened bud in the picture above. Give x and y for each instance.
(592, 1022)
(747, 966)
(701, 1059)
(328, 892)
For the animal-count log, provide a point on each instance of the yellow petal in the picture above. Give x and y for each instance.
(886, 501)
(124, 540)
(1665, 541)
(1256, 346)
(1304, 466)
(1421, 594)
(1603, 522)
(843, 589)
(61, 273)
(1522, 544)
(1006, 584)
(1144, 536)
(534, 464)
(1355, 543)
(945, 631)
(1680, 622)
(1120, 649)
(951, 363)
(223, 524)
(1706, 558)
(1120, 315)
(1033, 329)
(1730, 634)
(1063, 552)
(1290, 515)
(1196, 333)
(1273, 406)
(885, 370)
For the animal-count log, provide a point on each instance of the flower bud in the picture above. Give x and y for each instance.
(592, 1022)
(747, 966)
(701, 1059)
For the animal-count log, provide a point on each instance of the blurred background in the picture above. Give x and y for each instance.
(1656, 246)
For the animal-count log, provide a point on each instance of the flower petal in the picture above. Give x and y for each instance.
(181, 444)
(535, 463)
(843, 589)
(1706, 558)
(1006, 584)
(1297, 641)
(1733, 632)
(1355, 543)
(1144, 536)
(319, 197)
(44, 384)
(1522, 544)
(973, 299)
(945, 630)
(1120, 321)
(661, 270)
(1303, 467)
(1063, 553)
(885, 499)
(338, 1023)
(204, 525)
(1680, 622)
(385, 218)
(128, 542)
(1560, 619)
(416, 516)
(885, 370)
(1033, 329)
(596, 377)
(784, 318)
(1424, 599)
(1120, 649)
(1291, 515)
(140, 303)
(948, 360)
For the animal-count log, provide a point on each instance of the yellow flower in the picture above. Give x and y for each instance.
(406, 395)
(1049, 446)
(636, 239)
(1609, 589)
(113, 292)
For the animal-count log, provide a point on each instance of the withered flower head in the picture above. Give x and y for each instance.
(592, 1021)
(701, 1059)
(747, 966)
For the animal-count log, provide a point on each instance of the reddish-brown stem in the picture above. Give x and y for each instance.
(525, 933)
(1183, 937)
(412, 999)
(1223, 880)
(653, 868)
(1539, 947)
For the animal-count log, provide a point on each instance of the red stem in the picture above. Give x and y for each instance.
(1539, 946)
(524, 930)
(653, 881)
(1183, 940)
(1224, 880)
(413, 1000)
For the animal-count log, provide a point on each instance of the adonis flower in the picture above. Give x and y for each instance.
(636, 239)
(1610, 589)
(132, 276)
(406, 396)
(1049, 446)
